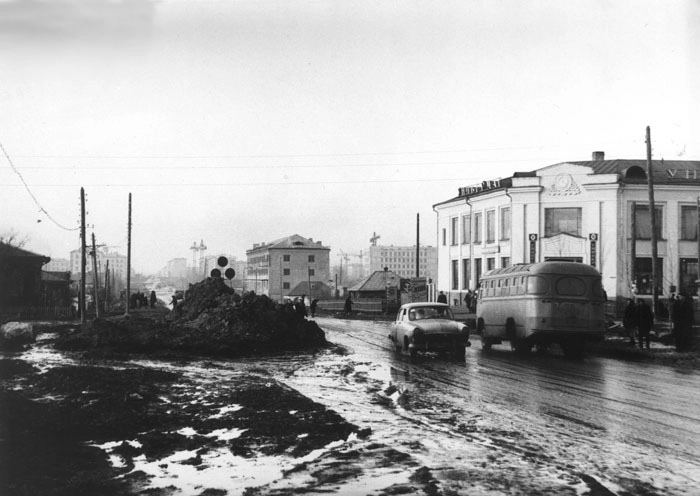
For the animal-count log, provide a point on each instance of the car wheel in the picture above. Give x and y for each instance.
(522, 346)
(485, 343)
(460, 353)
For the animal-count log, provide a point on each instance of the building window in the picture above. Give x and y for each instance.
(643, 222)
(455, 274)
(490, 263)
(466, 273)
(286, 258)
(477, 271)
(505, 223)
(312, 272)
(491, 226)
(689, 223)
(477, 227)
(286, 272)
(562, 221)
(285, 285)
(505, 262)
(466, 229)
(643, 273)
(688, 275)
(453, 231)
(444, 237)
(312, 258)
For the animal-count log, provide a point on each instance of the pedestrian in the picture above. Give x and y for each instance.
(153, 299)
(468, 298)
(630, 320)
(348, 305)
(300, 307)
(312, 307)
(442, 298)
(173, 302)
(645, 322)
(683, 319)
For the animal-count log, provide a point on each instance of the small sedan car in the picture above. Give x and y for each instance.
(428, 327)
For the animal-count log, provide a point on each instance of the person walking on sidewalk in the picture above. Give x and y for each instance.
(646, 322)
(630, 321)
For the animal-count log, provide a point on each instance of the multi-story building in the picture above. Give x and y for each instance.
(402, 260)
(58, 265)
(117, 263)
(275, 268)
(175, 268)
(595, 212)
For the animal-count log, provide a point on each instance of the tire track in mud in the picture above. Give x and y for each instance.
(568, 417)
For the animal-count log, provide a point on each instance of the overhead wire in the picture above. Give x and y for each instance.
(36, 201)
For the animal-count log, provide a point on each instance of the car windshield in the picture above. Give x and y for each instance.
(421, 313)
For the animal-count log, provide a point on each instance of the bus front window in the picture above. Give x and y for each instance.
(537, 285)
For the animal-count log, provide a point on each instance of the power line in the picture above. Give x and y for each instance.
(41, 208)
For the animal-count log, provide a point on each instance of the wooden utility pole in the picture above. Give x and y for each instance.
(652, 216)
(417, 245)
(95, 279)
(107, 288)
(697, 278)
(81, 299)
(633, 248)
(128, 262)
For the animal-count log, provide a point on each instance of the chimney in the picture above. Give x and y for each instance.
(598, 156)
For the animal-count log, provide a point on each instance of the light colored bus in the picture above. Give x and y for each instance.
(540, 304)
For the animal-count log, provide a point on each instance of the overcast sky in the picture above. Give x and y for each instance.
(238, 122)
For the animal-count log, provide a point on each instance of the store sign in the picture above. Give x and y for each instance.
(478, 188)
(593, 237)
(533, 247)
(683, 174)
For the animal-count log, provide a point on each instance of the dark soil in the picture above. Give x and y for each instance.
(213, 320)
(47, 427)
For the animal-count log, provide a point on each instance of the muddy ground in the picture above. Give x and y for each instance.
(91, 422)
(107, 426)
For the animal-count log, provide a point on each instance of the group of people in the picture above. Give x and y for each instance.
(638, 320)
(140, 300)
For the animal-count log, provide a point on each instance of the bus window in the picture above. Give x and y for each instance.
(536, 285)
(597, 289)
(570, 286)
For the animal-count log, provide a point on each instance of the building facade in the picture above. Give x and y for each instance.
(117, 263)
(595, 212)
(58, 265)
(402, 260)
(275, 268)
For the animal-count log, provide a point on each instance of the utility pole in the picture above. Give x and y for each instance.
(652, 215)
(128, 262)
(417, 245)
(698, 238)
(81, 300)
(95, 279)
(107, 288)
(633, 248)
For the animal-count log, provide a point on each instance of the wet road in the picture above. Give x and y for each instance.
(498, 423)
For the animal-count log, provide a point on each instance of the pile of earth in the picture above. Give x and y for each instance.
(212, 320)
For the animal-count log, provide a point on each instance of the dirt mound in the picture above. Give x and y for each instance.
(212, 320)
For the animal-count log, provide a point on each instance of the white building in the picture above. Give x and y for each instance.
(402, 260)
(117, 262)
(580, 211)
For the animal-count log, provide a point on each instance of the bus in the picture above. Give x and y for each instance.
(540, 304)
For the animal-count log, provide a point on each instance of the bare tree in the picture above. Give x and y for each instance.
(12, 238)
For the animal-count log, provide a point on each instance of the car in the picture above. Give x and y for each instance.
(428, 326)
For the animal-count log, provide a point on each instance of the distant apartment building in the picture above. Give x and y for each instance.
(175, 268)
(402, 260)
(117, 263)
(58, 265)
(276, 268)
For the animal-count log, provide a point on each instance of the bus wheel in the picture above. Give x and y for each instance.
(522, 346)
(573, 348)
